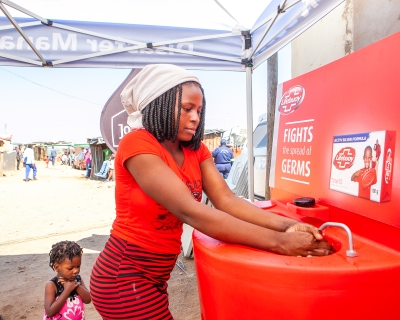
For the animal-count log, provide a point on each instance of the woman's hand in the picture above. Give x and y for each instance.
(300, 243)
(305, 227)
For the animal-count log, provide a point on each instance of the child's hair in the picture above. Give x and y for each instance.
(62, 250)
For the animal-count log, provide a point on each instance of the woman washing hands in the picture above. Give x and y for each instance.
(307, 230)
(161, 169)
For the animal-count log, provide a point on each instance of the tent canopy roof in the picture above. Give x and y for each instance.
(199, 14)
(197, 34)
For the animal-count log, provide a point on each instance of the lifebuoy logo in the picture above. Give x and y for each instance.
(291, 100)
(388, 165)
(344, 159)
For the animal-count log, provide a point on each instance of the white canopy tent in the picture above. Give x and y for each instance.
(195, 34)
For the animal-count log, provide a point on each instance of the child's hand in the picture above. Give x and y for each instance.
(61, 280)
(69, 286)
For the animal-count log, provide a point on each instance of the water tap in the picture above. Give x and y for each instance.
(349, 253)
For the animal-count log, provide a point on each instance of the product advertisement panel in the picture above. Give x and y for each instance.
(362, 165)
(335, 133)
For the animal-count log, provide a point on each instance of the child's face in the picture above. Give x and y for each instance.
(367, 158)
(68, 269)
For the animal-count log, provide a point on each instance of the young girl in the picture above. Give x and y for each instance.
(46, 159)
(66, 292)
(161, 169)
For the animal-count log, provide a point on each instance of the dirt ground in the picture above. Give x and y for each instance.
(62, 205)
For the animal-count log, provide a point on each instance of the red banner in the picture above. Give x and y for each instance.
(327, 125)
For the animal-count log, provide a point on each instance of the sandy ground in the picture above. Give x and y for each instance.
(62, 205)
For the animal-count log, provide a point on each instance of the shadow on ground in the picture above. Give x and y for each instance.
(95, 242)
(23, 279)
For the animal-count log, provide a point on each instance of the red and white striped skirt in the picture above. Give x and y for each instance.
(128, 282)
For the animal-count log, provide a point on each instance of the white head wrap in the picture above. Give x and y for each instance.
(150, 83)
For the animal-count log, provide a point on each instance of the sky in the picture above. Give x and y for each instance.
(65, 104)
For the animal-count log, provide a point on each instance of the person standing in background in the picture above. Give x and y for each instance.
(46, 159)
(18, 156)
(29, 159)
(53, 154)
(80, 157)
(88, 161)
(223, 159)
(71, 151)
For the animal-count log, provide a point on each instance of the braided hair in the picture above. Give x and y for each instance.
(63, 250)
(159, 116)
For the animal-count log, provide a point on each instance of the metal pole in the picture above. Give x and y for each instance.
(272, 85)
(250, 150)
(18, 28)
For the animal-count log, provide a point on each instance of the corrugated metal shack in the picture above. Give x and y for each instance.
(212, 138)
(7, 156)
(39, 150)
(99, 150)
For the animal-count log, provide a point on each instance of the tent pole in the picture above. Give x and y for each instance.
(272, 84)
(17, 27)
(250, 151)
(279, 11)
(27, 12)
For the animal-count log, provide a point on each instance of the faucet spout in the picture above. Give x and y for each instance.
(349, 253)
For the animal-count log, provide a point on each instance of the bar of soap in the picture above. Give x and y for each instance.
(368, 178)
(304, 202)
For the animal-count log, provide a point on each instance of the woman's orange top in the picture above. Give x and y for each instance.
(140, 220)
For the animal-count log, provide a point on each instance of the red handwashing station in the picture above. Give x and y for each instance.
(335, 135)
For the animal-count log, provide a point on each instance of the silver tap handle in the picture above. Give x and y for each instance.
(349, 253)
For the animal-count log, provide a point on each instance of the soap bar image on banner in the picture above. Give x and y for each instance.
(362, 164)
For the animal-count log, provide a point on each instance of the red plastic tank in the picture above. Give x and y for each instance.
(237, 282)
(348, 108)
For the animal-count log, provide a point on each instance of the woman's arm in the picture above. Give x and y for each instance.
(83, 292)
(161, 184)
(224, 199)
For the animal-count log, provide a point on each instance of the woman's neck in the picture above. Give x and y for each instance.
(175, 150)
(172, 147)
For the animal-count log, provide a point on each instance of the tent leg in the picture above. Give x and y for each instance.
(250, 151)
(272, 85)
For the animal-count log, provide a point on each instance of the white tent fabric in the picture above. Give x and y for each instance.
(195, 34)
(282, 21)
